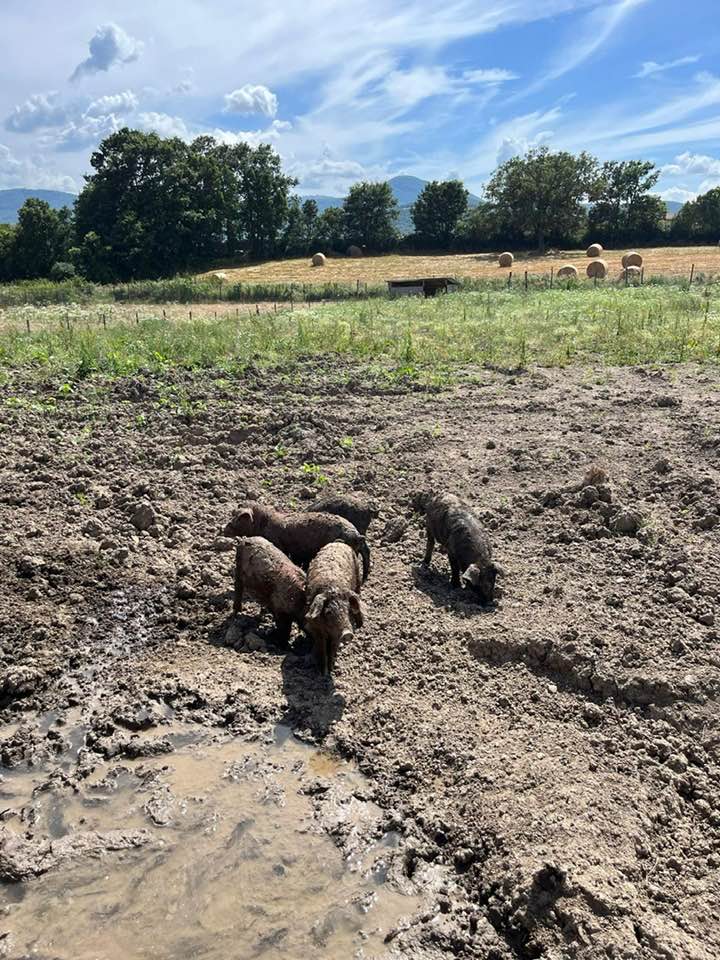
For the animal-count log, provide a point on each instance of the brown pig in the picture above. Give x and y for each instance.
(358, 510)
(299, 535)
(265, 574)
(454, 526)
(334, 609)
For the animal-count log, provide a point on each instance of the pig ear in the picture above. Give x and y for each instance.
(316, 607)
(356, 609)
(499, 572)
(245, 512)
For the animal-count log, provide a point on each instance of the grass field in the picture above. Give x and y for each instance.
(408, 337)
(663, 261)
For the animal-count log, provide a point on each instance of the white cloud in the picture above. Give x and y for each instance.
(9, 166)
(329, 176)
(251, 99)
(110, 46)
(182, 89)
(650, 68)
(408, 87)
(86, 132)
(163, 124)
(519, 146)
(26, 173)
(253, 137)
(688, 162)
(492, 75)
(585, 40)
(118, 104)
(679, 194)
(39, 111)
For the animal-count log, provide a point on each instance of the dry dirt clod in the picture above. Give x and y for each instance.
(143, 516)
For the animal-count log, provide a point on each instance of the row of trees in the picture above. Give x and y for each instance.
(154, 207)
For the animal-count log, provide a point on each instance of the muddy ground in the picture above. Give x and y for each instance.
(557, 756)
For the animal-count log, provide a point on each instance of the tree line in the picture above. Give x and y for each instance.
(155, 207)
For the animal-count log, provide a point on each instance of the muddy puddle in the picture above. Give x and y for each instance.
(266, 849)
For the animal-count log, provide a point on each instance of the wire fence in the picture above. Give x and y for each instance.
(175, 300)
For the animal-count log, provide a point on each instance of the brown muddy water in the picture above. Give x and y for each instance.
(240, 862)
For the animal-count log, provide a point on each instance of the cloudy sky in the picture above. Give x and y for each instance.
(366, 89)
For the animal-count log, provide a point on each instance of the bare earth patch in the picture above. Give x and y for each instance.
(557, 757)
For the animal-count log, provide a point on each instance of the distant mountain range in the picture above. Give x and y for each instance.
(12, 200)
(406, 190)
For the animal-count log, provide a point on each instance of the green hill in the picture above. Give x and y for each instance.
(12, 200)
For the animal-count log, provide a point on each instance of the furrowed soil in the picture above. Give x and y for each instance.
(547, 770)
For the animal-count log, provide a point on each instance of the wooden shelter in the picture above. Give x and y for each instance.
(422, 286)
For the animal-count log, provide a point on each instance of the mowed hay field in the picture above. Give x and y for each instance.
(663, 261)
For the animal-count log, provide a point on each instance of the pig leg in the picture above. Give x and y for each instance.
(282, 629)
(429, 548)
(238, 596)
(454, 571)
(321, 654)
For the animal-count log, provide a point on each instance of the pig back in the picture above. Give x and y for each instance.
(335, 565)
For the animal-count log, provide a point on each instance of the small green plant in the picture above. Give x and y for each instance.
(346, 443)
(280, 451)
(315, 474)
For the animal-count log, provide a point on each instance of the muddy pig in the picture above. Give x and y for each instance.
(333, 604)
(266, 575)
(357, 510)
(299, 535)
(455, 527)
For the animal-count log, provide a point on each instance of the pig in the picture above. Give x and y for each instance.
(359, 511)
(454, 526)
(299, 535)
(265, 574)
(334, 608)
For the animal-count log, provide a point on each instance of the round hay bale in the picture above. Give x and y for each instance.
(353, 251)
(594, 250)
(506, 259)
(568, 271)
(597, 269)
(318, 260)
(220, 276)
(632, 259)
(631, 274)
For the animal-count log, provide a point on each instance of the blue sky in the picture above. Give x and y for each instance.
(367, 89)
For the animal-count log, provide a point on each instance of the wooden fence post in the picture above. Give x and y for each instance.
(692, 272)
(509, 279)
(137, 317)
(526, 281)
(27, 323)
(552, 274)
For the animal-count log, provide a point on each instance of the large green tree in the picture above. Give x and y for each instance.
(155, 206)
(623, 208)
(371, 213)
(699, 219)
(7, 242)
(437, 210)
(40, 239)
(330, 230)
(541, 194)
(482, 229)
